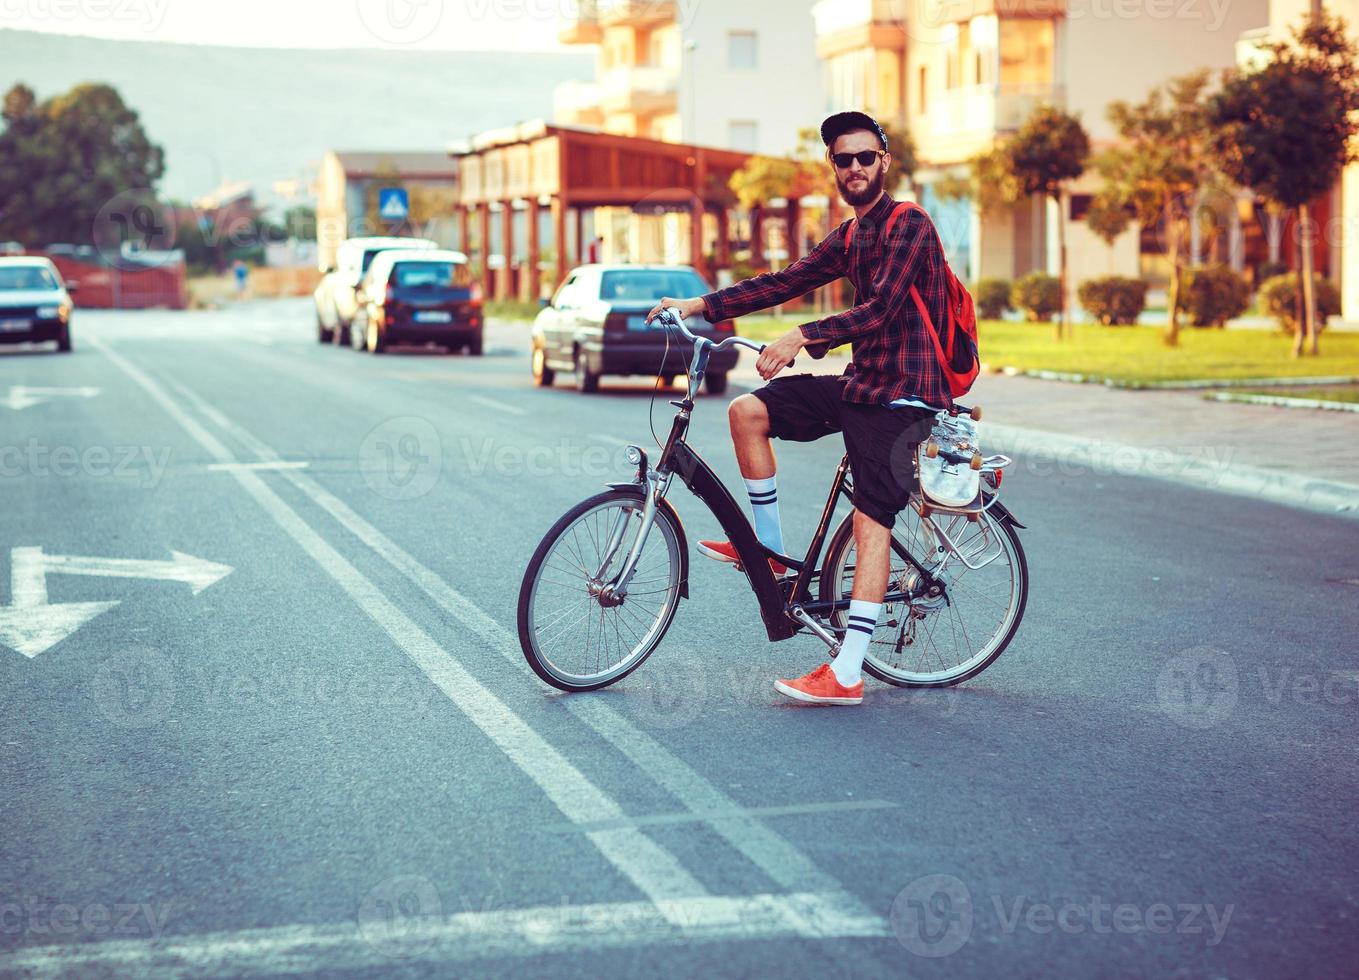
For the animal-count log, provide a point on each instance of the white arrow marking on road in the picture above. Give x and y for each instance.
(31, 624)
(25, 396)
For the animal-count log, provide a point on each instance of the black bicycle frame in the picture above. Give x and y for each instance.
(776, 606)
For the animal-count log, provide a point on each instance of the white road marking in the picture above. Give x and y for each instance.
(708, 816)
(497, 405)
(344, 947)
(31, 625)
(780, 860)
(278, 464)
(655, 872)
(21, 397)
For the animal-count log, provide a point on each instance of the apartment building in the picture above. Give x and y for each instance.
(973, 70)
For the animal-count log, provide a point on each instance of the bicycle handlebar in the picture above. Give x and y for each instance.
(671, 315)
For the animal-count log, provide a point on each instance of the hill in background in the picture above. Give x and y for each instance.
(267, 114)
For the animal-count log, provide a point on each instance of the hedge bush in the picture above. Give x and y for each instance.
(1038, 295)
(1279, 299)
(1113, 300)
(1214, 294)
(991, 298)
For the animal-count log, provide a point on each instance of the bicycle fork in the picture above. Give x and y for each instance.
(616, 591)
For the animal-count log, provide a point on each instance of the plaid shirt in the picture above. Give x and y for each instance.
(893, 356)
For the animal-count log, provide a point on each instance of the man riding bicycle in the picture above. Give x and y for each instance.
(885, 401)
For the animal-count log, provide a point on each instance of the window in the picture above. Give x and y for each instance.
(650, 284)
(409, 275)
(26, 277)
(741, 135)
(1026, 52)
(742, 49)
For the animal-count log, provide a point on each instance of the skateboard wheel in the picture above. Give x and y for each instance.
(975, 413)
(931, 449)
(976, 462)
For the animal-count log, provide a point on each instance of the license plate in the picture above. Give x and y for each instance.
(13, 326)
(433, 316)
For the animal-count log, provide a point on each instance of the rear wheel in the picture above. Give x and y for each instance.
(474, 348)
(941, 640)
(323, 336)
(574, 638)
(543, 376)
(64, 339)
(586, 380)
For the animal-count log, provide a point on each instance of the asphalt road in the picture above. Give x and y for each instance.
(304, 740)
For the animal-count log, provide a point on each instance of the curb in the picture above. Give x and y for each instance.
(1103, 456)
(1281, 401)
(1186, 385)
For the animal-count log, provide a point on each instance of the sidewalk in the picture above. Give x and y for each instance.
(1290, 456)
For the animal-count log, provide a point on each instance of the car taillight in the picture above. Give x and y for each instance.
(390, 296)
(476, 293)
(725, 326)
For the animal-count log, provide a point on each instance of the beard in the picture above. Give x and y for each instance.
(865, 194)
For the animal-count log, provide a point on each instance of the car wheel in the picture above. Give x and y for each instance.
(375, 342)
(342, 334)
(474, 348)
(323, 336)
(715, 383)
(543, 376)
(586, 380)
(64, 339)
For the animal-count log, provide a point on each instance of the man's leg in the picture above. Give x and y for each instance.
(749, 420)
(873, 549)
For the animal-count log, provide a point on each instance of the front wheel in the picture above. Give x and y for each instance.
(942, 639)
(573, 637)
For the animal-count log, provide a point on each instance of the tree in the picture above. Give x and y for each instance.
(1048, 151)
(1156, 173)
(65, 159)
(1285, 132)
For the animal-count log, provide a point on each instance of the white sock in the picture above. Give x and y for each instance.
(764, 505)
(863, 617)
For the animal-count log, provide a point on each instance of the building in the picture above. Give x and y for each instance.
(742, 76)
(973, 70)
(349, 185)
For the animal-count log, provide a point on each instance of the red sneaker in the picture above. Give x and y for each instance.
(723, 551)
(821, 687)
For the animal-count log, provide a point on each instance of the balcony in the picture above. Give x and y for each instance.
(964, 121)
(577, 104)
(583, 28)
(638, 13)
(641, 89)
(849, 25)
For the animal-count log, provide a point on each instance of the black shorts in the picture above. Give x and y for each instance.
(881, 441)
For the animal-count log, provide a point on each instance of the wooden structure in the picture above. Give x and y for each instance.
(539, 167)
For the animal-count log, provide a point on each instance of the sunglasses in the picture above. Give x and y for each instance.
(865, 158)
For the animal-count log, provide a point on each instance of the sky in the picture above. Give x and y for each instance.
(486, 25)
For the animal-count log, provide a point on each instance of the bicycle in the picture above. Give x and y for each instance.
(612, 570)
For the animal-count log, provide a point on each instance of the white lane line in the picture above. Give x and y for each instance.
(780, 860)
(275, 464)
(654, 871)
(497, 405)
(366, 946)
(708, 816)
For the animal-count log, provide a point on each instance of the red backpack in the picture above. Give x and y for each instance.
(956, 352)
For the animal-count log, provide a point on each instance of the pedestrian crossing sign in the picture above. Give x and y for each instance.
(394, 203)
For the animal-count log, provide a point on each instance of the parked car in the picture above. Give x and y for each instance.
(35, 305)
(424, 296)
(337, 297)
(595, 325)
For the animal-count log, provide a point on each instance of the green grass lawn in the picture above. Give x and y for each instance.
(1136, 355)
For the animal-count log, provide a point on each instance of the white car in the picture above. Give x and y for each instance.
(337, 297)
(35, 305)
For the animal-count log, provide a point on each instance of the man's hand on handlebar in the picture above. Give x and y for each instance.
(687, 307)
(780, 353)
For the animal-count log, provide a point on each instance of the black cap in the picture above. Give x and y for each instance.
(843, 122)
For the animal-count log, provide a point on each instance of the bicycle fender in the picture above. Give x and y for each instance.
(663, 504)
(1003, 513)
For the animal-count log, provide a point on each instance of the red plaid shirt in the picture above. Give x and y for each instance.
(893, 356)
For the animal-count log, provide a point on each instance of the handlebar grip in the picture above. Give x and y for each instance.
(790, 363)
